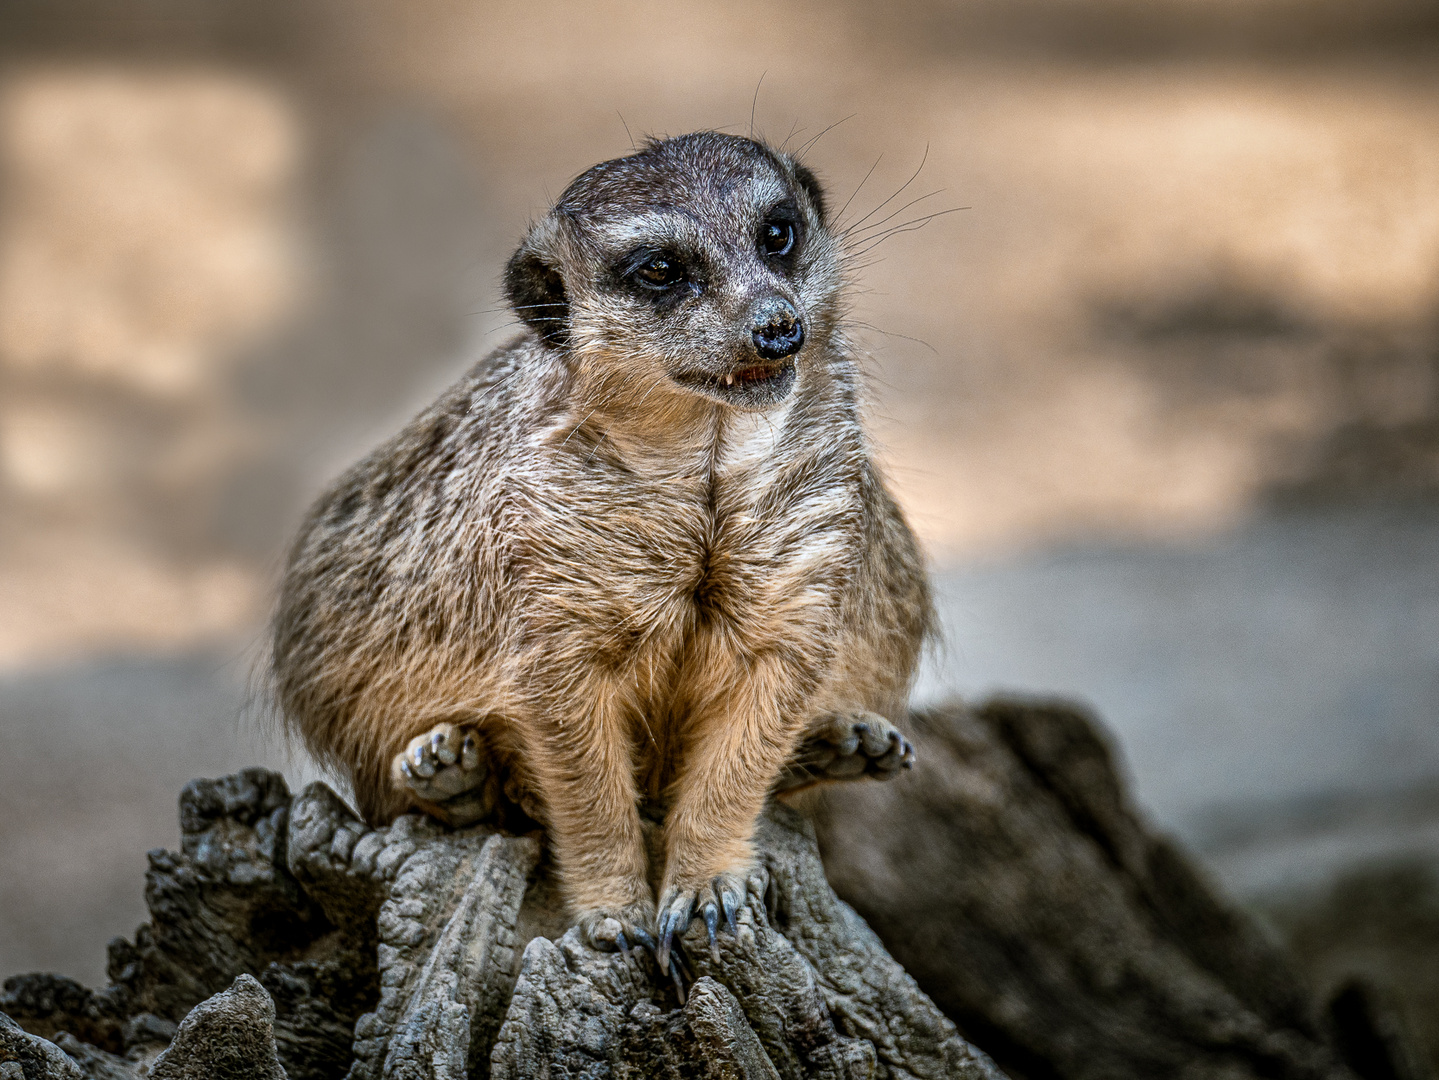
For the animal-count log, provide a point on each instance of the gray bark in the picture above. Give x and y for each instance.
(230, 1034)
(29, 1057)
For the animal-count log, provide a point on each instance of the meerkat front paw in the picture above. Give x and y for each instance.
(849, 745)
(719, 896)
(445, 766)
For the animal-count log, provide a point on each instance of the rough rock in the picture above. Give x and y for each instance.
(227, 904)
(29, 1057)
(447, 957)
(229, 1035)
(47, 1004)
(415, 951)
(100, 1064)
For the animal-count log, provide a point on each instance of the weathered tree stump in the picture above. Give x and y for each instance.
(1008, 874)
(416, 951)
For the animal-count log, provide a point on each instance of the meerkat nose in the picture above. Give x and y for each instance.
(777, 329)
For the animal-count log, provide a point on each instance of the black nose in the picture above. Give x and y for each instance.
(780, 334)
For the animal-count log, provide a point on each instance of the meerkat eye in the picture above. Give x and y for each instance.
(776, 238)
(659, 272)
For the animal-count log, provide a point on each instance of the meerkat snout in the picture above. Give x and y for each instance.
(778, 331)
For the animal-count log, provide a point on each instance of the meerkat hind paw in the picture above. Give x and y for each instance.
(442, 764)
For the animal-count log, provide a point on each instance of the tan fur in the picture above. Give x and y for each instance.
(633, 591)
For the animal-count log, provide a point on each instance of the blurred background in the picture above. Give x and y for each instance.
(1162, 398)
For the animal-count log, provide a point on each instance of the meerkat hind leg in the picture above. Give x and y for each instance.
(848, 745)
(445, 766)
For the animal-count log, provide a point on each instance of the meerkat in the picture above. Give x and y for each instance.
(638, 557)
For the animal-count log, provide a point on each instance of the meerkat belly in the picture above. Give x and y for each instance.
(684, 579)
(771, 585)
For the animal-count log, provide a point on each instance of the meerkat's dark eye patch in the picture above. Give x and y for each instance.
(814, 190)
(652, 270)
(780, 233)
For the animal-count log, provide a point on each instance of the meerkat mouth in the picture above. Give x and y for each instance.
(753, 386)
(753, 373)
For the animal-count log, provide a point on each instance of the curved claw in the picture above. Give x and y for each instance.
(616, 929)
(469, 753)
(730, 903)
(711, 917)
(674, 920)
(677, 980)
(667, 933)
(442, 750)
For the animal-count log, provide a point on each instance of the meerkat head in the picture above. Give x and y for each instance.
(703, 264)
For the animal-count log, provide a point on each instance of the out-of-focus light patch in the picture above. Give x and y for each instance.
(46, 450)
(1089, 457)
(146, 222)
(148, 240)
(76, 595)
(1327, 192)
(1155, 187)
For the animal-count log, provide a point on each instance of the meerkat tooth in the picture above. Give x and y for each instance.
(729, 380)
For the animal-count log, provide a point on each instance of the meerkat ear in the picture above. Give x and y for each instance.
(535, 288)
(810, 182)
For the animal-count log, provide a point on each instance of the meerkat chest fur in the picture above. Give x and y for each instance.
(731, 531)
